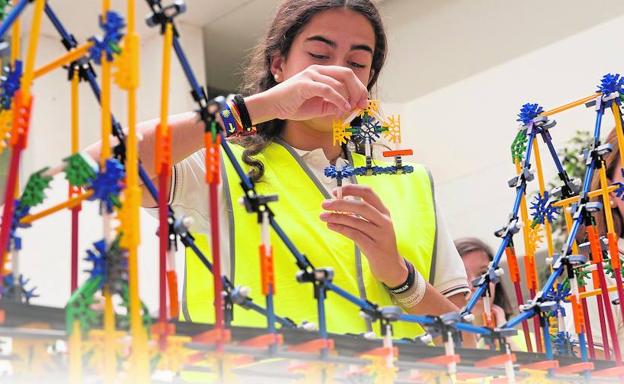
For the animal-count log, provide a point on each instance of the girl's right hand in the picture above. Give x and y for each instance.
(317, 91)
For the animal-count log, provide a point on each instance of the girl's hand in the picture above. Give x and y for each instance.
(317, 91)
(367, 222)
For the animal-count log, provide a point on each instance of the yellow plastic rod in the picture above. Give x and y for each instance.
(74, 201)
(606, 201)
(110, 371)
(105, 100)
(75, 120)
(105, 152)
(574, 199)
(31, 57)
(75, 354)
(542, 189)
(65, 59)
(618, 128)
(105, 7)
(139, 359)
(166, 75)
(15, 40)
(568, 220)
(531, 273)
(596, 292)
(570, 105)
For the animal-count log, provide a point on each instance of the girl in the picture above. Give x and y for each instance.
(476, 256)
(387, 244)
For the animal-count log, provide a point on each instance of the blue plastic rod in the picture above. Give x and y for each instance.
(15, 12)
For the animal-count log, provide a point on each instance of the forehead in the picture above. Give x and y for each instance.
(476, 258)
(341, 25)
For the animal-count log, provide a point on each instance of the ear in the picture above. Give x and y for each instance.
(277, 67)
(613, 197)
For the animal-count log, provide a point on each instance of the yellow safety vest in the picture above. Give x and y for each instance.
(408, 197)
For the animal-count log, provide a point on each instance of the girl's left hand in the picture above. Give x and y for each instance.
(367, 222)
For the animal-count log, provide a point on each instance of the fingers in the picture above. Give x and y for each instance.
(355, 207)
(358, 94)
(329, 94)
(366, 193)
(332, 82)
(361, 239)
(351, 221)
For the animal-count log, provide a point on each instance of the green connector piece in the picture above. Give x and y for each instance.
(79, 307)
(519, 146)
(80, 169)
(3, 8)
(581, 276)
(609, 271)
(34, 191)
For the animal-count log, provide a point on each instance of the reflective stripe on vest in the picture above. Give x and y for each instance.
(408, 197)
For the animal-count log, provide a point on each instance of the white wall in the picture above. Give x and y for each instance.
(463, 131)
(46, 255)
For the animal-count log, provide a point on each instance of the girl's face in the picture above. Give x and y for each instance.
(476, 264)
(338, 37)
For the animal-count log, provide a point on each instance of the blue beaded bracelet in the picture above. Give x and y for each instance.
(229, 122)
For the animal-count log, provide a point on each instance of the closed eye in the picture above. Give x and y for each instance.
(357, 65)
(318, 57)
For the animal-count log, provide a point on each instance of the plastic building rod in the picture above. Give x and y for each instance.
(162, 166)
(580, 215)
(132, 202)
(187, 240)
(21, 121)
(73, 190)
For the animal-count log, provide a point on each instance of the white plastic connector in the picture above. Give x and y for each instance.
(370, 335)
(427, 339)
(469, 317)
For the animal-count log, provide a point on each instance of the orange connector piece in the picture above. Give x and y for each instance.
(214, 336)
(495, 361)
(530, 272)
(381, 352)
(512, 262)
(264, 341)
(575, 368)
(21, 120)
(594, 244)
(613, 250)
(541, 365)
(313, 346)
(266, 270)
(213, 159)
(442, 360)
(163, 151)
(172, 284)
(398, 152)
(577, 314)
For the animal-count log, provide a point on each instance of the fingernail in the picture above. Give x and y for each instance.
(324, 216)
(326, 203)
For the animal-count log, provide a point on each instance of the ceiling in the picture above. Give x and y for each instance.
(433, 43)
(80, 16)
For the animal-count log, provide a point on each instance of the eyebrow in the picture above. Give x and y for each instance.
(331, 43)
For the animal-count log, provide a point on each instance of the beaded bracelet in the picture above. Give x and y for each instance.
(229, 121)
(239, 102)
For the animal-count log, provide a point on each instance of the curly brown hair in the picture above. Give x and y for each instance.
(291, 17)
